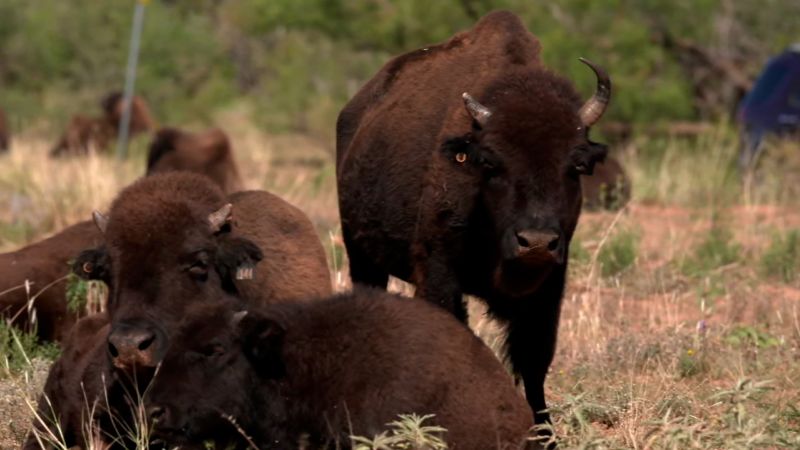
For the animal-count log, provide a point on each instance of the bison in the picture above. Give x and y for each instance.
(5, 133)
(607, 188)
(173, 241)
(208, 153)
(318, 372)
(45, 265)
(85, 134)
(458, 169)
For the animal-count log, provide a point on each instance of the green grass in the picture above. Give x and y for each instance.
(619, 253)
(782, 258)
(717, 249)
(18, 348)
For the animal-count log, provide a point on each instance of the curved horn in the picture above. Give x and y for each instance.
(218, 218)
(478, 112)
(100, 220)
(593, 109)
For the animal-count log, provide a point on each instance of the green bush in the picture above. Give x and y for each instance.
(782, 257)
(619, 253)
(717, 249)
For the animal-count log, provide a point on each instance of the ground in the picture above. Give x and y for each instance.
(681, 321)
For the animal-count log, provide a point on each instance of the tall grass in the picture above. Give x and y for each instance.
(689, 340)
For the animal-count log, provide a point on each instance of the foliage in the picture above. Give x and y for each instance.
(407, 433)
(717, 249)
(298, 61)
(782, 257)
(619, 253)
(18, 348)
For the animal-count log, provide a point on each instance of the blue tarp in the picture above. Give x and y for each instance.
(773, 105)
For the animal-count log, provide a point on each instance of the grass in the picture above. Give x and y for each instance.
(681, 320)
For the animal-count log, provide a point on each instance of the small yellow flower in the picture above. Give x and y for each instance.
(690, 352)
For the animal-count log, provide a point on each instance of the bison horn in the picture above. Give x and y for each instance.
(478, 112)
(237, 317)
(220, 217)
(593, 109)
(100, 220)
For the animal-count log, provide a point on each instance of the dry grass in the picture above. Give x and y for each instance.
(675, 350)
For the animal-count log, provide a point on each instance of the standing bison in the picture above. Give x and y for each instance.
(85, 134)
(208, 153)
(45, 266)
(458, 169)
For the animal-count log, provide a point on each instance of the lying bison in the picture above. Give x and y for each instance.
(45, 265)
(458, 169)
(319, 372)
(5, 133)
(85, 134)
(173, 241)
(208, 153)
(607, 188)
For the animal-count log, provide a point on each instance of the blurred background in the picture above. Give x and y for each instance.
(681, 323)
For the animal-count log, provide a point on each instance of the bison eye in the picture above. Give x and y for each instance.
(213, 350)
(199, 271)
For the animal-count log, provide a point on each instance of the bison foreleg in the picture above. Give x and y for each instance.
(531, 340)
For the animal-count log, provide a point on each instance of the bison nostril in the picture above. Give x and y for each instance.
(522, 241)
(146, 343)
(112, 350)
(553, 245)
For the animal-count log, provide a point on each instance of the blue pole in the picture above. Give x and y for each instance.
(130, 79)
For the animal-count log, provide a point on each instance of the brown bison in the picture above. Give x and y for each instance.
(5, 133)
(45, 265)
(174, 241)
(318, 372)
(85, 134)
(607, 188)
(208, 153)
(77, 379)
(458, 169)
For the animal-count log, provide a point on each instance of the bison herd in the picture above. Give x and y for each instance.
(459, 169)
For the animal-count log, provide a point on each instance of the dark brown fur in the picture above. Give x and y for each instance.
(411, 209)
(208, 153)
(154, 231)
(607, 188)
(5, 133)
(332, 368)
(45, 264)
(75, 383)
(85, 134)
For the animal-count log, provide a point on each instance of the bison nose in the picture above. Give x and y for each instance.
(541, 244)
(132, 348)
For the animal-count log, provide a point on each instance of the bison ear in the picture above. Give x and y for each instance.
(262, 341)
(237, 258)
(92, 264)
(586, 156)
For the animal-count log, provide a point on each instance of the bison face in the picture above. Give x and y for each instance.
(524, 156)
(239, 354)
(159, 267)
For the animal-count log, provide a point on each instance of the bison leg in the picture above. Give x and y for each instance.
(362, 269)
(437, 283)
(531, 340)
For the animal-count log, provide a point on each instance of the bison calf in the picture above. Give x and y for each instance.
(208, 153)
(45, 265)
(322, 371)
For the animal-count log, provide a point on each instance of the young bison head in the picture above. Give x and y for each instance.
(168, 245)
(240, 355)
(522, 163)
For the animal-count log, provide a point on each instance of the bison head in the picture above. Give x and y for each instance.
(169, 244)
(240, 354)
(521, 162)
